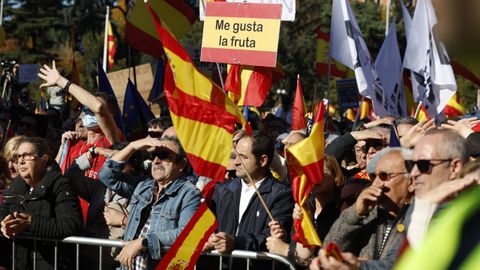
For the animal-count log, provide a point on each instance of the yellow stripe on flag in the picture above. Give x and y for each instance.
(310, 151)
(215, 143)
(184, 254)
(309, 230)
(171, 18)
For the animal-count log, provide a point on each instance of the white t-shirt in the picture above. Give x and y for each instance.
(245, 197)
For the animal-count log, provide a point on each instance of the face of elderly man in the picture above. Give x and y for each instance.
(439, 166)
(166, 165)
(391, 172)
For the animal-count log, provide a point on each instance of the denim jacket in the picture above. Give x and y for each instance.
(169, 215)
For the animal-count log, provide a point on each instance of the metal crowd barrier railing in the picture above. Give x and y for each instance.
(77, 241)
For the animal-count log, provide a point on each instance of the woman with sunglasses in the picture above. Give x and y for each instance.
(41, 202)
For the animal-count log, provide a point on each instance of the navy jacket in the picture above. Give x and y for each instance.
(253, 230)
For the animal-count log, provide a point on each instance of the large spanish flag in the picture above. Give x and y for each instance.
(305, 160)
(248, 85)
(203, 116)
(322, 58)
(299, 108)
(176, 16)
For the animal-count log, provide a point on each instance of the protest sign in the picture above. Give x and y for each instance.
(242, 34)
(288, 7)
(347, 93)
(118, 80)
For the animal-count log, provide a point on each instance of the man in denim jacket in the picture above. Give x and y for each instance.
(160, 207)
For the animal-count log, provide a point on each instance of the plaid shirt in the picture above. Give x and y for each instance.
(141, 261)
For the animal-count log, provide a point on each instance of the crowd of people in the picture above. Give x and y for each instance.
(381, 205)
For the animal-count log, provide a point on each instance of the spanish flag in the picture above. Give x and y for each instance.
(248, 85)
(422, 114)
(111, 47)
(305, 161)
(203, 116)
(322, 58)
(176, 17)
(184, 253)
(299, 108)
(454, 106)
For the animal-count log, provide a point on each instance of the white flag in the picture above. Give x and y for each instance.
(348, 47)
(427, 57)
(389, 67)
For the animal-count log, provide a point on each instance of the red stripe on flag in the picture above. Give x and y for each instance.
(142, 41)
(254, 58)
(163, 264)
(193, 108)
(258, 86)
(250, 10)
(206, 168)
(323, 35)
(464, 72)
(185, 9)
(314, 171)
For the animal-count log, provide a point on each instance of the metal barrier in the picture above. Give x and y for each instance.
(77, 241)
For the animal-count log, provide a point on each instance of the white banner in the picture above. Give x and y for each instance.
(288, 9)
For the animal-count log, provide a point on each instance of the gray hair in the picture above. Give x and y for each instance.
(404, 152)
(453, 145)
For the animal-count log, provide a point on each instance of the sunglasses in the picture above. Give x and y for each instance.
(376, 144)
(155, 134)
(385, 176)
(423, 165)
(163, 155)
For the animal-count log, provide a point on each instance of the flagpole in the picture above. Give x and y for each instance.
(417, 111)
(358, 113)
(105, 40)
(387, 17)
(254, 186)
(220, 76)
(1, 12)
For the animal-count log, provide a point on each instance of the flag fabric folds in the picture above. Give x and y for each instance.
(322, 58)
(136, 113)
(111, 47)
(454, 107)
(203, 116)
(176, 16)
(427, 57)
(305, 161)
(183, 254)
(349, 48)
(389, 66)
(299, 108)
(248, 85)
(394, 138)
(105, 86)
(157, 88)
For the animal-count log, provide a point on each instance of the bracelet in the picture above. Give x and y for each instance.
(67, 86)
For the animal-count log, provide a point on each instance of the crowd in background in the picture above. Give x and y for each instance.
(63, 175)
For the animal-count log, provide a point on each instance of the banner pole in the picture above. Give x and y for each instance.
(417, 111)
(105, 40)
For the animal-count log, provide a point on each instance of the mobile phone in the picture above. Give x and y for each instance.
(332, 250)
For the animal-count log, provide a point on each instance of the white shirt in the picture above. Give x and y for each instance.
(245, 197)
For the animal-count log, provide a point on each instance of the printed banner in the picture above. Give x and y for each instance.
(242, 34)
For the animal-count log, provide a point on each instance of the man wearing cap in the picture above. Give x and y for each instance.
(161, 206)
(373, 225)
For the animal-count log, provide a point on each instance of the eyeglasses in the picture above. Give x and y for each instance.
(385, 176)
(424, 165)
(163, 155)
(155, 134)
(25, 157)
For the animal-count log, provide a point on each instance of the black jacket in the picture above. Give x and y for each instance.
(56, 214)
(253, 229)
(92, 191)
